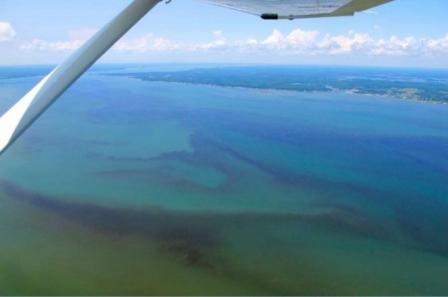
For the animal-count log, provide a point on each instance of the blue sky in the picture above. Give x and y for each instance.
(402, 33)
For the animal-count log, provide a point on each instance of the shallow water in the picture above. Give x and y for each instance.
(133, 187)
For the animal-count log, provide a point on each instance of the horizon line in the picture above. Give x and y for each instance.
(230, 64)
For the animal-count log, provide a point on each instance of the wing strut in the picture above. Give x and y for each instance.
(17, 119)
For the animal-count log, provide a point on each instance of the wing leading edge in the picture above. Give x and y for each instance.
(294, 9)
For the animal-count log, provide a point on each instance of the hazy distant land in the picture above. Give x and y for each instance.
(416, 84)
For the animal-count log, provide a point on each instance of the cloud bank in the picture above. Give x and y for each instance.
(297, 42)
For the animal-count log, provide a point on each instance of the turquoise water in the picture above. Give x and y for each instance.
(129, 186)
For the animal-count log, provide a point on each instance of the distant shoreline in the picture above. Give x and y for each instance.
(415, 84)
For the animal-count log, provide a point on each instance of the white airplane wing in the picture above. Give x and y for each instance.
(17, 119)
(293, 9)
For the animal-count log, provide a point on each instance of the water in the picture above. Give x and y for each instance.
(128, 186)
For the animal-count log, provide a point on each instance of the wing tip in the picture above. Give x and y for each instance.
(4, 144)
(5, 138)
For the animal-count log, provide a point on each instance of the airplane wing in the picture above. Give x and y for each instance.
(294, 9)
(19, 117)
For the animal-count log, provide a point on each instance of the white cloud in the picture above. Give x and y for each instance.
(397, 46)
(276, 39)
(42, 45)
(6, 31)
(297, 42)
(219, 42)
(297, 39)
(76, 39)
(438, 45)
(302, 38)
(345, 44)
(146, 43)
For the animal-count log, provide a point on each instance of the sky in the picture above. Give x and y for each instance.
(403, 33)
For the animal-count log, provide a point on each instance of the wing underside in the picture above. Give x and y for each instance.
(292, 9)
